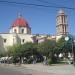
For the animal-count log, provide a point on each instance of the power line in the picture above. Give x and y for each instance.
(43, 1)
(37, 5)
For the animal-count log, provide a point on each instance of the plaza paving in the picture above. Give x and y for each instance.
(18, 70)
(40, 69)
(54, 70)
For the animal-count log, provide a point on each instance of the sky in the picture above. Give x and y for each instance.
(42, 20)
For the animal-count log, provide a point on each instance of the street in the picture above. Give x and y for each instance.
(8, 71)
(36, 69)
(12, 70)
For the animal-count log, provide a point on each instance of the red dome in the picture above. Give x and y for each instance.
(20, 22)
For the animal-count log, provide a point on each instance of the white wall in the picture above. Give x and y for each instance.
(19, 30)
(12, 39)
(26, 37)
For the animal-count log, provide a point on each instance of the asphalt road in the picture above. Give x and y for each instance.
(12, 70)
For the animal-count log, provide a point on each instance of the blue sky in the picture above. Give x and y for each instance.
(42, 20)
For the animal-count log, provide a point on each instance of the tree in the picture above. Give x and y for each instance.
(29, 50)
(64, 46)
(47, 48)
(15, 51)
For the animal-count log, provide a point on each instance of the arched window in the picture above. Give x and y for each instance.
(22, 30)
(15, 30)
(5, 40)
(23, 40)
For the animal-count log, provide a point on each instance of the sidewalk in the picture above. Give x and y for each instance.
(54, 70)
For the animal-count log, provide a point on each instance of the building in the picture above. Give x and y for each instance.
(20, 32)
(61, 24)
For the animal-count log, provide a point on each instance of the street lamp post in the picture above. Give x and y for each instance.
(72, 43)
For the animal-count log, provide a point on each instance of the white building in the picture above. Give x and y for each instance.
(20, 32)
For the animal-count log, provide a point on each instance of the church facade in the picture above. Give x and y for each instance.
(20, 32)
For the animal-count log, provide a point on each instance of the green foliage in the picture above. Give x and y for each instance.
(29, 49)
(33, 51)
(2, 54)
(63, 46)
(14, 50)
(46, 47)
(26, 50)
(50, 61)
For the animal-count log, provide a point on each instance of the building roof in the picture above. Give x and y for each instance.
(20, 22)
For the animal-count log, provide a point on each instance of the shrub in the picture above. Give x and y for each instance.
(50, 61)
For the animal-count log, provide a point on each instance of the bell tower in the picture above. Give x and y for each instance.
(61, 23)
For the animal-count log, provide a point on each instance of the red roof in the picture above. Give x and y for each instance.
(20, 22)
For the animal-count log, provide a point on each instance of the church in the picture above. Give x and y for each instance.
(20, 32)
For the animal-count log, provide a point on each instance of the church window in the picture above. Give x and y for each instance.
(22, 30)
(15, 30)
(4, 40)
(23, 40)
(62, 19)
